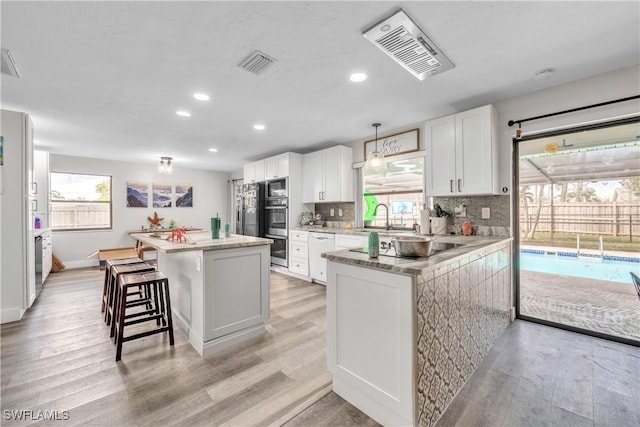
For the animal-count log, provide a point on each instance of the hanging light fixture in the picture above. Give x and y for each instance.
(166, 165)
(376, 161)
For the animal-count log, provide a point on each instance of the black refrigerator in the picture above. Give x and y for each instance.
(253, 210)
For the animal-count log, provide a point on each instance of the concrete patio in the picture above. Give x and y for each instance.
(608, 307)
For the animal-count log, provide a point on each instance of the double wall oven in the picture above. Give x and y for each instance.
(276, 212)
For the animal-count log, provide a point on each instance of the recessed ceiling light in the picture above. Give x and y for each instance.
(358, 77)
(201, 96)
(259, 127)
(183, 113)
(213, 150)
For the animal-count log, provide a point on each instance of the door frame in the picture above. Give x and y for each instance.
(515, 219)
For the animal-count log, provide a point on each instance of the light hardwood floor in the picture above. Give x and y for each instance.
(59, 358)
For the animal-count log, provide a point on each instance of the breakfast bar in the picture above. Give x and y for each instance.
(404, 335)
(219, 287)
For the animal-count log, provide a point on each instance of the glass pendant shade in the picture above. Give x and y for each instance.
(375, 161)
(166, 165)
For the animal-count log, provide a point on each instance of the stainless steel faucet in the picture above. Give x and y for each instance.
(387, 226)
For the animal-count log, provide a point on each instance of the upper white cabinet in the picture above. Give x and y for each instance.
(254, 172)
(277, 166)
(41, 186)
(328, 175)
(462, 153)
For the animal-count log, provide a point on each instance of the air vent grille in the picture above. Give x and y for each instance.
(8, 65)
(257, 62)
(400, 38)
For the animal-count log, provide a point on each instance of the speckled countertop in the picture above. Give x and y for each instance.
(471, 246)
(356, 231)
(202, 242)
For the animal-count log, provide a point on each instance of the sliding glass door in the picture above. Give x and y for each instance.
(578, 225)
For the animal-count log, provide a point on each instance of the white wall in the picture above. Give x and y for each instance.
(604, 87)
(210, 196)
(616, 84)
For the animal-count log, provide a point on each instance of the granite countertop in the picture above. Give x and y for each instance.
(39, 231)
(470, 245)
(202, 242)
(356, 231)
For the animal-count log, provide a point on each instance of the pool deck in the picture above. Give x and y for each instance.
(608, 307)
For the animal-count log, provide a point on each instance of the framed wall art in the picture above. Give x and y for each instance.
(162, 197)
(184, 196)
(137, 194)
(392, 145)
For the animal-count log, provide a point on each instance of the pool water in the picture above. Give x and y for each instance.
(609, 270)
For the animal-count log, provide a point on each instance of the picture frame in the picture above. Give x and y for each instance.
(184, 196)
(162, 194)
(137, 194)
(394, 144)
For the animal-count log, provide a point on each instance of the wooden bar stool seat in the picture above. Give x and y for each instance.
(113, 288)
(107, 276)
(157, 286)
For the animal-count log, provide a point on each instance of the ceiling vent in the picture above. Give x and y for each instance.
(8, 65)
(400, 38)
(257, 62)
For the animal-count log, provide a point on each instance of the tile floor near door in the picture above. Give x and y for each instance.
(59, 358)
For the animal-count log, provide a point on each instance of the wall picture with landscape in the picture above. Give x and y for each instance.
(161, 195)
(137, 194)
(184, 196)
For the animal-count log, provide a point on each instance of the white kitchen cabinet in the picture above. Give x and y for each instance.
(462, 152)
(299, 252)
(47, 254)
(41, 187)
(254, 172)
(328, 175)
(277, 166)
(17, 265)
(351, 241)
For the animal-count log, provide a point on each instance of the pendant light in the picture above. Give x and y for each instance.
(376, 161)
(166, 165)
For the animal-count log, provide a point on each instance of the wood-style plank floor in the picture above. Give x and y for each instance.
(59, 358)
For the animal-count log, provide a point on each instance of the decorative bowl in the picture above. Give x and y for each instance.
(412, 246)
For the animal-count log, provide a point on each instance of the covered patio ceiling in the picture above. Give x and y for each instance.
(596, 155)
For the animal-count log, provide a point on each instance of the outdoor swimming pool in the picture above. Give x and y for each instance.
(612, 270)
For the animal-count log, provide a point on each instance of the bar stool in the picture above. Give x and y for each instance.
(157, 285)
(107, 276)
(113, 288)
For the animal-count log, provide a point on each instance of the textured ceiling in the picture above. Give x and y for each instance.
(104, 79)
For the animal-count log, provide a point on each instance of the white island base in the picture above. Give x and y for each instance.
(218, 297)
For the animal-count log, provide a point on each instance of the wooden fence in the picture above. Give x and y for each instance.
(606, 218)
(69, 216)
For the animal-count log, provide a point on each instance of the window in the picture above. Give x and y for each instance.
(80, 202)
(400, 190)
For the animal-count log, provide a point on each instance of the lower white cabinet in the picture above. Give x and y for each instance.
(299, 252)
(351, 241)
(47, 254)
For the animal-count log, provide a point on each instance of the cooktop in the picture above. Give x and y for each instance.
(390, 251)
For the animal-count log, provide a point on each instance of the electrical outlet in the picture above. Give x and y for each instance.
(460, 211)
(486, 213)
(331, 212)
(339, 212)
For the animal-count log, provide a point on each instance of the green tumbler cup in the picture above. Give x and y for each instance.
(215, 228)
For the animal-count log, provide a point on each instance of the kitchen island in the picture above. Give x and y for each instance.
(219, 287)
(403, 335)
